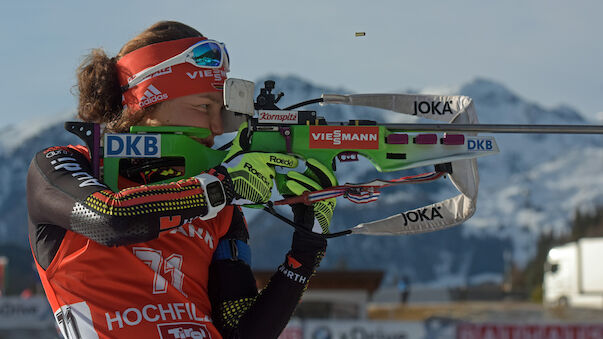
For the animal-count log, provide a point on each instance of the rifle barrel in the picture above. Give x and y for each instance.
(498, 128)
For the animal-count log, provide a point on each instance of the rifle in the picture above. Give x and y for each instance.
(450, 146)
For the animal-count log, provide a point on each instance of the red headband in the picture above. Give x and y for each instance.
(169, 83)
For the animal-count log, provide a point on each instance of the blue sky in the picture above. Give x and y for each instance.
(547, 51)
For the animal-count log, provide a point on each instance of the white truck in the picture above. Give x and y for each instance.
(573, 274)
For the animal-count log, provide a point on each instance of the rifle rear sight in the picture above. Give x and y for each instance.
(267, 100)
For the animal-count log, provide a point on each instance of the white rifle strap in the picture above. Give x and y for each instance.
(446, 107)
(465, 177)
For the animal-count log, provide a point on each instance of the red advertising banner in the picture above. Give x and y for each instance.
(3, 263)
(529, 331)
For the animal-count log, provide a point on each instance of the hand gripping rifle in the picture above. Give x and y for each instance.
(451, 146)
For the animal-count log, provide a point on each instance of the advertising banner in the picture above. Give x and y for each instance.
(362, 329)
(529, 331)
(19, 313)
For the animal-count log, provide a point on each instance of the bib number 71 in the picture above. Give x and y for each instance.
(171, 265)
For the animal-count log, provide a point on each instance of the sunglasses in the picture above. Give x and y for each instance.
(204, 54)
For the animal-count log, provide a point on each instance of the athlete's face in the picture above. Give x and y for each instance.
(197, 110)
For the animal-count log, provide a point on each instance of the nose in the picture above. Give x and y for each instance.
(215, 124)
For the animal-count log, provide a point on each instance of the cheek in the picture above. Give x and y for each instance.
(176, 115)
(193, 118)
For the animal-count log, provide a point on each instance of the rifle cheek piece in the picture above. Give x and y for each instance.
(173, 143)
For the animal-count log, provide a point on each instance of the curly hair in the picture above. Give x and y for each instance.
(98, 85)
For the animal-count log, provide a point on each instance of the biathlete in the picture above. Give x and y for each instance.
(167, 260)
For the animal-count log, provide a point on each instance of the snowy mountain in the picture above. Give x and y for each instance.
(534, 185)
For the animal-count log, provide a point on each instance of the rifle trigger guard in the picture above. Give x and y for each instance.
(286, 133)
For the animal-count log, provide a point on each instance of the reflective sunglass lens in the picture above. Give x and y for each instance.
(208, 54)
